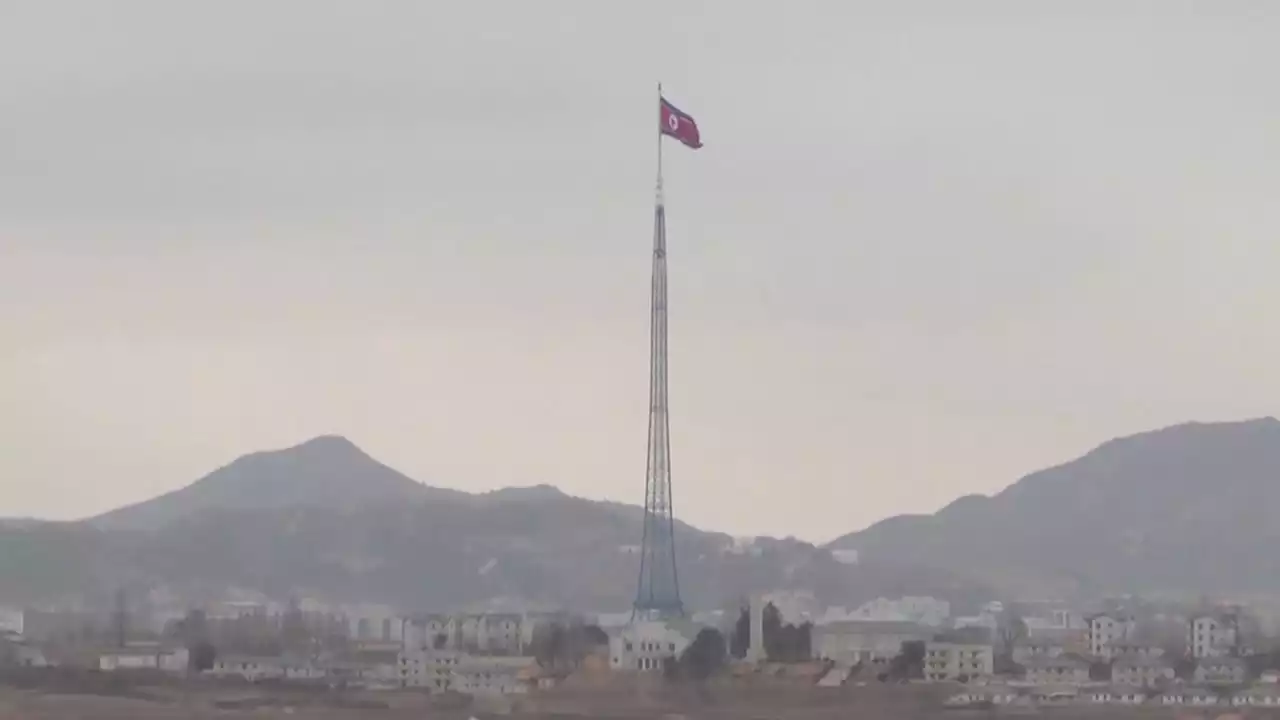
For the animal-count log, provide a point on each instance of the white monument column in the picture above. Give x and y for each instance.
(755, 649)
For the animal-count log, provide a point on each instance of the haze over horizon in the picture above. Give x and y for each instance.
(925, 251)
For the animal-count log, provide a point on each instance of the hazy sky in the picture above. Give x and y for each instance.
(928, 247)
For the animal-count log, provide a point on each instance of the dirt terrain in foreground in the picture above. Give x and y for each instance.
(610, 701)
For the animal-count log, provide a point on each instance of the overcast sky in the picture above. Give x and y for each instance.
(927, 248)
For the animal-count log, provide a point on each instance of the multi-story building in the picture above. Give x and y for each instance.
(1213, 635)
(1107, 631)
(505, 633)
(442, 670)
(429, 668)
(372, 622)
(954, 661)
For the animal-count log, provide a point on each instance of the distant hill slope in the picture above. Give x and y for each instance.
(1190, 507)
(325, 520)
(325, 472)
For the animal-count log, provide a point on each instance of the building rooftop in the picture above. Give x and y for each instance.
(1227, 661)
(1142, 661)
(871, 626)
(1061, 661)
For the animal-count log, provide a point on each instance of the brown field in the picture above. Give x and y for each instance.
(92, 698)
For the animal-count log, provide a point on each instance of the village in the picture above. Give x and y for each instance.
(1020, 654)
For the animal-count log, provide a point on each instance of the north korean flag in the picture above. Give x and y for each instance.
(679, 125)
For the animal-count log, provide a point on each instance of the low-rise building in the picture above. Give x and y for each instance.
(647, 645)
(1058, 671)
(175, 660)
(924, 610)
(957, 661)
(493, 675)
(1195, 696)
(250, 668)
(1026, 648)
(1118, 695)
(1220, 670)
(850, 642)
(447, 670)
(1258, 695)
(1141, 670)
(16, 651)
(1134, 649)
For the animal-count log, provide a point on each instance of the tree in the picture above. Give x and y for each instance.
(201, 657)
(705, 656)
(740, 641)
(439, 641)
(548, 645)
(802, 642)
(1010, 628)
(558, 646)
(774, 643)
(909, 662)
(594, 636)
(784, 643)
(293, 627)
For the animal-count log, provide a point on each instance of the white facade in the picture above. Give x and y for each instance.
(372, 622)
(646, 645)
(248, 668)
(845, 556)
(986, 621)
(1141, 670)
(1211, 636)
(171, 661)
(850, 642)
(1061, 670)
(481, 633)
(1220, 670)
(1106, 632)
(10, 620)
(1026, 648)
(492, 675)
(917, 609)
(428, 668)
(950, 661)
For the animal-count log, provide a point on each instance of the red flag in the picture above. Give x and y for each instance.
(679, 125)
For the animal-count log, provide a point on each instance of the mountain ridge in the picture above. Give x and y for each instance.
(326, 471)
(1189, 507)
(1163, 508)
(271, 521)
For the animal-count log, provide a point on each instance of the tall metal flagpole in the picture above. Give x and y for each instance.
(658, 589)
(658, 190)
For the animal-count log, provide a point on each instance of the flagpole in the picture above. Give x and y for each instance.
(658, 190)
